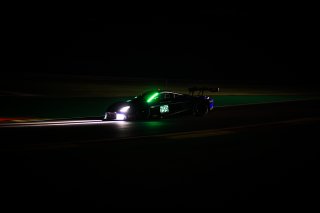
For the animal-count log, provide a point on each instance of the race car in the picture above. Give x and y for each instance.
(159, 104)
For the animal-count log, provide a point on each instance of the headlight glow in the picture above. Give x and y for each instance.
(121, 117)
(124, 109)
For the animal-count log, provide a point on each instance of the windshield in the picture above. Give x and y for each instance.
(148, 96)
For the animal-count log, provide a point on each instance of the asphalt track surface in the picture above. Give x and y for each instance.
(263, 155)
(77, 132)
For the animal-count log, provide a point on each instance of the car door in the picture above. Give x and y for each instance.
(158, 101)
(175, 103)
(165, 104)
(182, 103)
(161, 105)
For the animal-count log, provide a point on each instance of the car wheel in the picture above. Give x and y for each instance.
(201, 109)
(145, 114)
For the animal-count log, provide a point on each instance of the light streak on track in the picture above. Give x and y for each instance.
(59, 123)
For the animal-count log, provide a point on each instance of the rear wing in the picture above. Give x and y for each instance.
(200, 90)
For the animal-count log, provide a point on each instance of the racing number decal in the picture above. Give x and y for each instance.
(164, 108)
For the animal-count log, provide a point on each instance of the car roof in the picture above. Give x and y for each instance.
(175, 93)
(160, 92)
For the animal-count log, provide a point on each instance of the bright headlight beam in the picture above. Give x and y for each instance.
(121, 117)
(124, 109)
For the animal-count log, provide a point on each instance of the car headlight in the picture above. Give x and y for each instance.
(121, 117)
(124, 109)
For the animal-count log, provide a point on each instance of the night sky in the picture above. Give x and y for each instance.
(262, 43)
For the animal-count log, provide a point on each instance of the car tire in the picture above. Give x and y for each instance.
(201, 109)
(145, 115)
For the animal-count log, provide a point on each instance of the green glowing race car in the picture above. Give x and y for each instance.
(159, 104)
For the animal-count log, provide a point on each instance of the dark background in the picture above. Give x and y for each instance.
(239, 42)
(263, 167)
